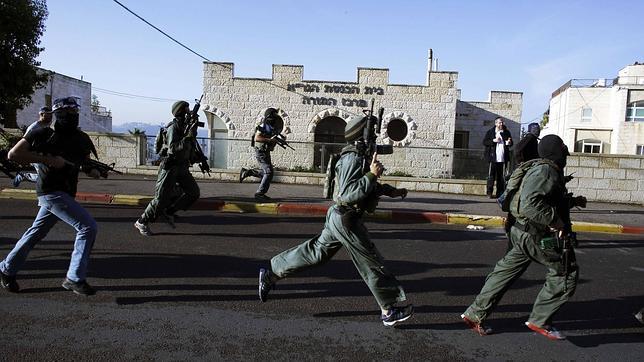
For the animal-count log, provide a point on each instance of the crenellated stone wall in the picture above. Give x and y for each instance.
(426, 112)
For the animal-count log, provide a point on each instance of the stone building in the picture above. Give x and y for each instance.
(58, 86)
(604, 115)
(419, 120)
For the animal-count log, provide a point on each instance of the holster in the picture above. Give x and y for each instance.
(348, 215)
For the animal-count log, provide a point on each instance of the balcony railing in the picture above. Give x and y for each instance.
(585, 83)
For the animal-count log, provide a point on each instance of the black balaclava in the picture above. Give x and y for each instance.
(553, 148)
(66, 121)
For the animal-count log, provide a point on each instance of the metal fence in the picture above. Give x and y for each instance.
(314, 157)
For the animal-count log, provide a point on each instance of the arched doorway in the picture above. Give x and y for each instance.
(329, 139)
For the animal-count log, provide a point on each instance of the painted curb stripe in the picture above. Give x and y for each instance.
(135, 200)
(95, 198)
(18, 194)
(313, 209)
(304, 209)
(633, 230)
(268, 208)
(597, 227)
(490, 221)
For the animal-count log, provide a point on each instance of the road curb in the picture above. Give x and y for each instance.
(321, 210)
(480, 220)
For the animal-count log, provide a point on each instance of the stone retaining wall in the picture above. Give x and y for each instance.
(610, 178)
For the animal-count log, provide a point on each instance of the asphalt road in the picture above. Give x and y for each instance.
(190, 293)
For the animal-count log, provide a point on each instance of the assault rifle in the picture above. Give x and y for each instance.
(569, 239)
(280, 140)
(370, 136)
(103, 168)
(198, 156)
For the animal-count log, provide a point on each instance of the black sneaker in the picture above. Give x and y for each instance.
(265, 284)
(80, 288)
(243, 173)
(397, 314)
(262, 197)
(9, 283)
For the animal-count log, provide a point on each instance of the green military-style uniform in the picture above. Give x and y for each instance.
(356, 194)
(174, 169)
(541, 194)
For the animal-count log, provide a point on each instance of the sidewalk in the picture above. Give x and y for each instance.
(303, 199)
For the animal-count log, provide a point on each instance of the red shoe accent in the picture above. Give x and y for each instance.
(477, 327)
(549, 331)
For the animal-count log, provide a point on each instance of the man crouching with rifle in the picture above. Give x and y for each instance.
(60, 152)
(358, 193)
(174, 169)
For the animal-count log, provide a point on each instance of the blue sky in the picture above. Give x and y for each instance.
(527, 46)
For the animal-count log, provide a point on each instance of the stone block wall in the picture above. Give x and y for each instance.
(610, 178)
(427, 111)
(125, 150)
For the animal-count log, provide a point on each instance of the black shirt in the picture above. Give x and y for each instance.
(74, 147)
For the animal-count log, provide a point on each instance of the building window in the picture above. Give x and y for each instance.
(639, 150)
(586, 114)
(635, 112)
(461, 139)
(397, 129)
(591, 146)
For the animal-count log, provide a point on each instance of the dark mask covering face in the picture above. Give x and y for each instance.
(66, 122)
(553, 148)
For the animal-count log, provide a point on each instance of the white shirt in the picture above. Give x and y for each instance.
(500, 147)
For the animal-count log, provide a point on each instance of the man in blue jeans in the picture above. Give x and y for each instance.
(61, 151)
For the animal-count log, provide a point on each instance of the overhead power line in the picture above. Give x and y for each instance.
(162, 32)
(129, 95)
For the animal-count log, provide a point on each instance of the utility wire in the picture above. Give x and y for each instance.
(218, 64)
(161, 31)
(128, 95)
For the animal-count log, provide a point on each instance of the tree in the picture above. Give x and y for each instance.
(95, 103)
(137, 131)
(22, 23)
(545, 118)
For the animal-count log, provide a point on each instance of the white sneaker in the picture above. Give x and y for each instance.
(144, 229)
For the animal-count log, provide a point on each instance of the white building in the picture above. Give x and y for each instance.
(420, 121)
(601, 115)
(59, 86)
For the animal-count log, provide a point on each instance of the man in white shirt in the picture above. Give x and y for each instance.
(497, 142)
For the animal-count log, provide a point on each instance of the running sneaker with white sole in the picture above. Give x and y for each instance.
(477, 327)
(144, 229)
(397, 314)
(549, 331)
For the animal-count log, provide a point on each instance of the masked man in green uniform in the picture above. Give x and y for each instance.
(358, 192)
(541, 207)
(174, 170)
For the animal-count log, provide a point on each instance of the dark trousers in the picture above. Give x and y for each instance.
(265, 172)
(496, 172)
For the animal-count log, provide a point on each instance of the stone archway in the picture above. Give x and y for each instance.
(327, 129)
(218, 145)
